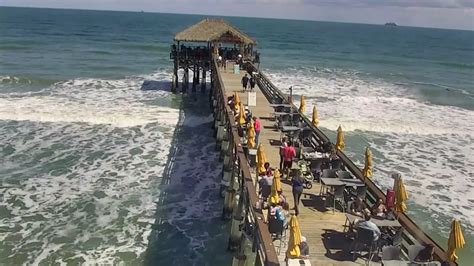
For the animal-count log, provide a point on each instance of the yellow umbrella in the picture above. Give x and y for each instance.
(261, 159)
(455, 241)
(340, 139)
(236, 100)
(302, 104)
(274, 198)
(277, 180)
(295, 239)
(401, 195)
(368, 163)
(315, 120)
(241, 118)
(251, 136)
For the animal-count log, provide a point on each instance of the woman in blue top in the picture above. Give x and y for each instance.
(297, 184)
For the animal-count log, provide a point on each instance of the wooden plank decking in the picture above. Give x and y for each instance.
(321, 227)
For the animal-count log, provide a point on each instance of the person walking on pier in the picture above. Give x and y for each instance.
(245, 81)
(289, 153)
(297, 189)
(252, 83)
(283, 145)
(258, 127)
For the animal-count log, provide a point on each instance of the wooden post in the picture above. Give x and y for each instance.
(237, 219)
(203, 82)
(194, 77)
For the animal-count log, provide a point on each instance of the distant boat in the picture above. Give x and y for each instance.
(391, 24)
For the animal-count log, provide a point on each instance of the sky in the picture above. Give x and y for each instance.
(452, 14)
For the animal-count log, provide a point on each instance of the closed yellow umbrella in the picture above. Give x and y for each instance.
(261, 159)
(274, 198)
(277, 180)
(236, 100)
(455, 241)
(315, 120)
(401, 195)
(368, 163)
(302, 104)
(251, 136)
(340, 139)
(295, 239)
(241, 118)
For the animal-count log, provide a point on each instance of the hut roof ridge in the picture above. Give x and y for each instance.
(213, 30)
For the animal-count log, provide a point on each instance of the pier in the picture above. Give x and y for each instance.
(249, 237)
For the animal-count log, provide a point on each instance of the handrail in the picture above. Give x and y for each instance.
(266, 244)
(413, 229)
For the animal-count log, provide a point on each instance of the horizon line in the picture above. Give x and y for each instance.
(231, 16)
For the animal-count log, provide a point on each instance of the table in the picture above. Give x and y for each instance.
(280, 113)
(407, 263)
(348, 182)
(298, 262)
(289, 128)
(351, 218)
(280, 105)
(333, 182)
(315, 155)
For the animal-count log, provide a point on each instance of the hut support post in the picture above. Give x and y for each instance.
(203, 81)
(194, 77)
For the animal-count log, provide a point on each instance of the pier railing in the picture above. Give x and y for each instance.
(249, 234)
(412, 234)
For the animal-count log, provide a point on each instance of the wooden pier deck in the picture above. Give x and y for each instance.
(322, 228)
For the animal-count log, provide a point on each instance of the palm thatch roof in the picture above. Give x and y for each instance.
(213, 30)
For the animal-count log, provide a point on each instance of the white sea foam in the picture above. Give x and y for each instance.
(431, 145)
(85, 163)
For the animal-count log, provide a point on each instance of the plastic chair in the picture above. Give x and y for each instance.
(361, 192)
(336, 164)
(413, 251)
(315, 168)
(338, 196)
(305, 133)
(275, 226)
(391, 254)
(344, 175)
(365, 239)
(295, 120)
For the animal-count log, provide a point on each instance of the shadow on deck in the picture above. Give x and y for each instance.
(188, 229)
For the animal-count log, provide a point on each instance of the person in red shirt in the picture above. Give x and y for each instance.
(289, 153)
(258, 127)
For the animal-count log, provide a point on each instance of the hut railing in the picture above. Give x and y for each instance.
(413, 234)
(262, 240)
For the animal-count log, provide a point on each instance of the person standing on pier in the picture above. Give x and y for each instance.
(258, 127)
(245, 81)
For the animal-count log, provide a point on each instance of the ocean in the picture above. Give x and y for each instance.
(85, 173)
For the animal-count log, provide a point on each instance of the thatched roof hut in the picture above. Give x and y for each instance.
(214, 31)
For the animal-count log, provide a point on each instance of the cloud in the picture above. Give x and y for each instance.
(375, 3)
(455, 14)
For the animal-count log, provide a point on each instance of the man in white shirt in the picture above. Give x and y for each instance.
(369, 225)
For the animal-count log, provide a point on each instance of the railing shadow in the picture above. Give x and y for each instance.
(188, 229)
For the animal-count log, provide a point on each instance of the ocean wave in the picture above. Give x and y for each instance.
(457, 65)
(431, 145)
(82, 164)
(343, 98)
(119, 103)
(24, 80)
